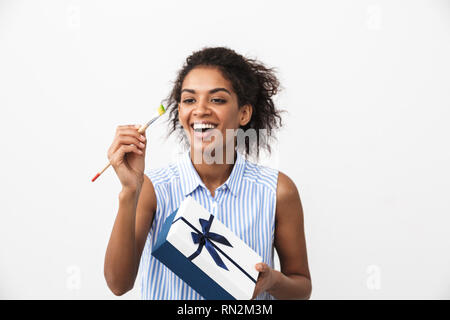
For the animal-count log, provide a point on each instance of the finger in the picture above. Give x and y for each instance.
(131, 132)
(257, 290)
(262, 267)
(128, 126)
(262, 276)
(138, 128)
(125, 131)
(124, 149)
(121, 129)
(125, 140)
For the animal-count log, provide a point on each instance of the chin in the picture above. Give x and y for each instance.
(205, 150)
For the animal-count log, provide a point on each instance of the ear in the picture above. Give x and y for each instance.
(245, 114)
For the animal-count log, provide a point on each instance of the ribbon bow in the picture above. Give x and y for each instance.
(205, 238)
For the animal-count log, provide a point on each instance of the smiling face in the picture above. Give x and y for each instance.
(208, 107)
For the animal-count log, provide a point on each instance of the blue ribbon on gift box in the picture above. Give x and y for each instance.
(204, 238)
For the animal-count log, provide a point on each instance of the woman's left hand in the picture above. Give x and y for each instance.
(266, 279)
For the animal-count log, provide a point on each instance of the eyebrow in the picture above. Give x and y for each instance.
(210, 91)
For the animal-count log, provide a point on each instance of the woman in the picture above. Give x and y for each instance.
(217, 93)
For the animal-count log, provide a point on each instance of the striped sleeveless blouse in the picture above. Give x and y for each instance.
(245, 203)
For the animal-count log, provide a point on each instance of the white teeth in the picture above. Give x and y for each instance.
(203, 126)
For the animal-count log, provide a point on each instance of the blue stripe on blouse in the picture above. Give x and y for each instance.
(245, 203)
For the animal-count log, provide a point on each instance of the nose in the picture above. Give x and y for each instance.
(201, 108)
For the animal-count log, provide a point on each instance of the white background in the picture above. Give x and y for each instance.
(366, 87)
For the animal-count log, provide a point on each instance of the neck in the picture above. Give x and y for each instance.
(213, 174)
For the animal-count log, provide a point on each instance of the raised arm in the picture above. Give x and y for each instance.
(137, 205)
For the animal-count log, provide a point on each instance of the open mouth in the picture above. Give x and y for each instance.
(204, 130)
(203, 127)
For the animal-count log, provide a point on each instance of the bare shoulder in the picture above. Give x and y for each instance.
(285, 185)
(286, 189)
(288, 207)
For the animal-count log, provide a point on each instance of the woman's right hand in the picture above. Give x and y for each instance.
(127, 156)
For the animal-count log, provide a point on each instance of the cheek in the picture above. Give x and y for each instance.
(229, 119)
(231, 122)
(182, 118)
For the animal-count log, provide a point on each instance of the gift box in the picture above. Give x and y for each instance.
(207, 255)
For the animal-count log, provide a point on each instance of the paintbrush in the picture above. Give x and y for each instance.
(141, 130)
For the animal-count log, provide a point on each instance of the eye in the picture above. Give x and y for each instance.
(218, 100)
(188, 101)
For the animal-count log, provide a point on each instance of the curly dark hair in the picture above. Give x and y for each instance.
(253, 83)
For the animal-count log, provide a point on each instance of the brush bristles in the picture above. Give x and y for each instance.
(161, 110)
